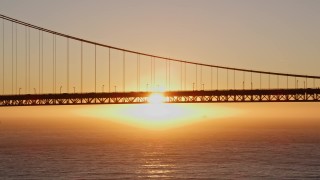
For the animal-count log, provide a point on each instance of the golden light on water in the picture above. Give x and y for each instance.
(157, 115)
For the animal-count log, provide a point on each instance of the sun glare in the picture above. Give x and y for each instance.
(157, 115)
(156, 98)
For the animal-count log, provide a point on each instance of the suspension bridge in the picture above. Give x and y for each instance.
(43, 67)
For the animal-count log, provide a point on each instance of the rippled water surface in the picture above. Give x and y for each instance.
(72, 154)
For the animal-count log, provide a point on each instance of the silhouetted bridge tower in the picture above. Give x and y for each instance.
(43, 67)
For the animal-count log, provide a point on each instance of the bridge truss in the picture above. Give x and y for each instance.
(222, 96)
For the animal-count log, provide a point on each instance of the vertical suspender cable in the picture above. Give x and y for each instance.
(244, 80)
(95, 68)
(151, 73)
(29, 60)
(39, 62)
(140, 73)
(181, 75)
(81, 67)
(185, 76)
(137, 72)
(227, 79)
(200, 77)
(169, 76)
(68, 65)
(217, 78)
(260, 82)
(124, 71)
(306, 82)
(55, 64)
(109, 73)
(139, 82)
(166, 74)
(251, 81)
(154, 73)
(269, 80)
(153, 84)
(52, 63)
(196, 77)
(3, 56)
(12, 59)
(42, 61)
(26, 73)
(16, 60)
(154, 70)
(211, 78)
(234, 79)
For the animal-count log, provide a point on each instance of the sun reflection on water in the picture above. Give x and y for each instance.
(155, 162)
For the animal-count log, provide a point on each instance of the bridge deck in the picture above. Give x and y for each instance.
(216, 96)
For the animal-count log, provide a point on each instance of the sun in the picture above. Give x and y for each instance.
(156, 98)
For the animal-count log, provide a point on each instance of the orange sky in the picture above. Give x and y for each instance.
(271, 36)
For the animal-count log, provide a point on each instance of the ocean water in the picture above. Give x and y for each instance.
(96, 154)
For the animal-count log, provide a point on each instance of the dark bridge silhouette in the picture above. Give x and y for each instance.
(217, 96)
(28, 71)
